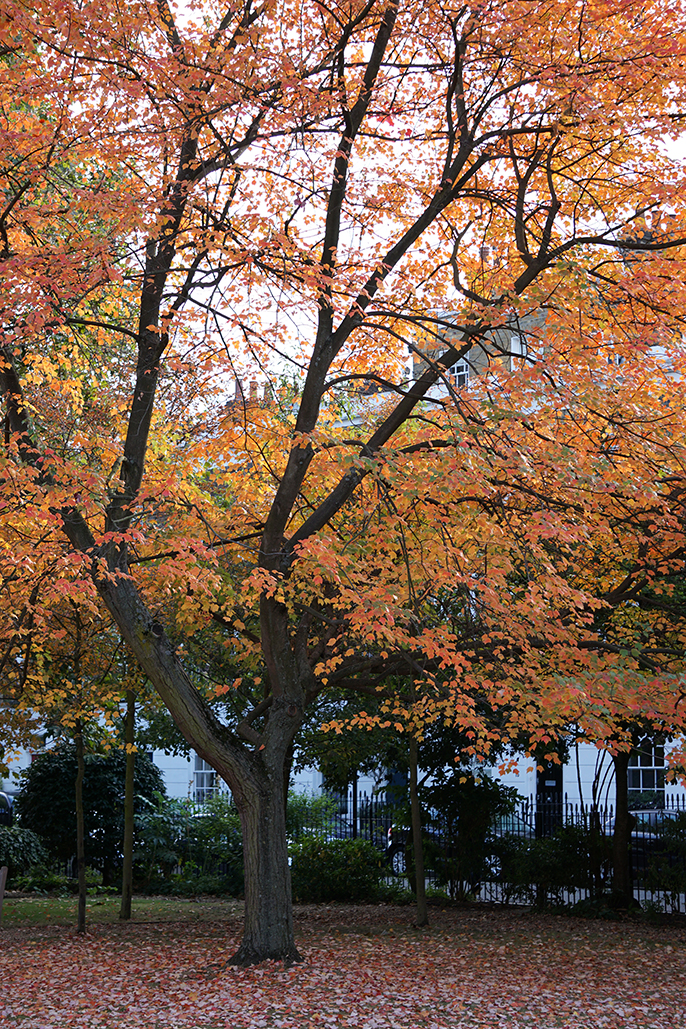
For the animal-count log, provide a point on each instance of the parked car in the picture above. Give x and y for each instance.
(395, 849)
(658, 839)
(6, 812)
(341, 827)
(399, 837)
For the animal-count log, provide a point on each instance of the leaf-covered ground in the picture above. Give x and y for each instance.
(364, 968)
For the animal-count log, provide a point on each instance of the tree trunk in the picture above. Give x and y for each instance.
(3, 882)
(127, 870)
(622, 890)
(251, 762)
(422, 911)
(80, 834)
(268, 925)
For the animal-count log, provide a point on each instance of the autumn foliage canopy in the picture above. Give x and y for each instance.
(312, 195)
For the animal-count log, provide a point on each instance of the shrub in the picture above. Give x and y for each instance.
(204, 842)
(159, 830)
(183, 849)
(666, 865)
(306, 812)
(19, 849)
(215, 834)
(547, 869)
(191, 883)
(46, 802)
(463, 809)
(324, 870)
(42, 879)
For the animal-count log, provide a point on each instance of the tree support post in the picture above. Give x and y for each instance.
(3, 883)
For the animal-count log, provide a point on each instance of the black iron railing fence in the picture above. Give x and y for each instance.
(544, 852)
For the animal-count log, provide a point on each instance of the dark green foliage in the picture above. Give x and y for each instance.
(305, 812)
(191, 883)
(648, 800)
(214, 844)
(325, 870)
(542, 871)
(184, 849)
(42, 879)
(465, 810)
(46, 802)
(666, 864)
(20, 849)
(203, 842)
(160, 828)
(357, 751)
(596, 907)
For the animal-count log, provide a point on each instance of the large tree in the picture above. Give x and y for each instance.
(300, 183)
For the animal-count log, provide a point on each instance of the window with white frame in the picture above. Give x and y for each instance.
(518, 347)
(458, 375)
(647, 768)
(205, 784)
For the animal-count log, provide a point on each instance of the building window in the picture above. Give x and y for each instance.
(518, 347)
(647, 770)
(458, 375)
(205, 781)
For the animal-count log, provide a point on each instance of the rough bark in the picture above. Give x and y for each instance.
(268, 928)
(253, 769)
(127, 870)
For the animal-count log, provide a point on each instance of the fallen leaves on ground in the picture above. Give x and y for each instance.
(364, 968)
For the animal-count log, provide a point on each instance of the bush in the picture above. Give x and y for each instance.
(545, 870)
(183, 849)
(46, 802)
(20, 849)
(306, 812)
(464, 809)
(191, 883)
(203, 842)
(42, 879)
(666, 867)
(324, 870)
(215, 837)
(159, 830)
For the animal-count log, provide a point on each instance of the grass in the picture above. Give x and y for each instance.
(36, 910)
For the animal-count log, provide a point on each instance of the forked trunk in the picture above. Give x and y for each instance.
(253, 764)
(268, 928)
